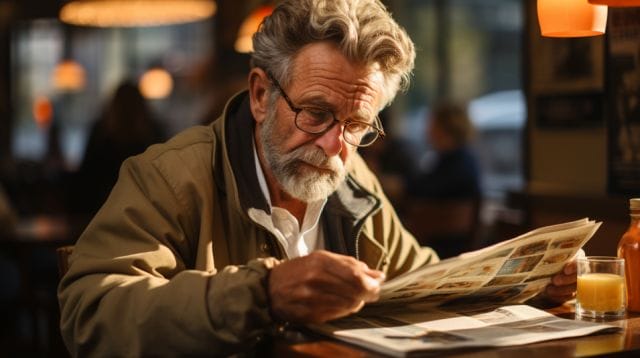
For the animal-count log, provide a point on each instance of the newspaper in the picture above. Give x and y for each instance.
(511, 271)
(413, 329)
(451, 304)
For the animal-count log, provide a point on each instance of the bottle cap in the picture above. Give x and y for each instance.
(634, 204)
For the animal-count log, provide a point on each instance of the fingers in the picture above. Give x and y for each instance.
(568, 275)
(321, 286)
(563, 284)
(353, 277)
(561, 291)
(371, 287)
(571, 268)
(370, 282)
(560, 294)
(378, 275)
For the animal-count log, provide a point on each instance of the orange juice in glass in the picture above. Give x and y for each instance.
(601, 290)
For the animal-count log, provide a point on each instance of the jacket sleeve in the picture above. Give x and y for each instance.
(130, 291)
(403, 252)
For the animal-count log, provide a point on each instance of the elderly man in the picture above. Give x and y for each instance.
(269, 215)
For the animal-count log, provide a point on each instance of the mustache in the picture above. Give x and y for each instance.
(315, 156)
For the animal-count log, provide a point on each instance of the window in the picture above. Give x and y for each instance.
(107, 56)
(469, 51)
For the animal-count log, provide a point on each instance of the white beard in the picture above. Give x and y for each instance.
(297, 171)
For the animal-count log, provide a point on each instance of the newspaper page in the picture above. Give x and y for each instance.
(414, 328)
(511, 271)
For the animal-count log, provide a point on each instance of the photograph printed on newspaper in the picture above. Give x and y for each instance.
(511, 271)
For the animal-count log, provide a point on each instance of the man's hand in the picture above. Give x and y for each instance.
(563, 284)
(321, 286)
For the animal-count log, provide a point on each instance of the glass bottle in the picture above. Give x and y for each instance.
(629, 249)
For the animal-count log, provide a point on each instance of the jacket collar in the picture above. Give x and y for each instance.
(240, 126)
(346, 208)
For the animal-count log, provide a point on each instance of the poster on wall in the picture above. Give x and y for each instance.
(566, 65)
(566, 79)
(623, 89)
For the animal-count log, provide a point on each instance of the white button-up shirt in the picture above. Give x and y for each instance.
(297, 239)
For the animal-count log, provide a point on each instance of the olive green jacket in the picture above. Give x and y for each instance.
(175, 263)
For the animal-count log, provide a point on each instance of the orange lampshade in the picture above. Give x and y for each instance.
(244, 42)
(571, 18)
(616, 3)
(130, 13)
(68, 75)
(156, 83)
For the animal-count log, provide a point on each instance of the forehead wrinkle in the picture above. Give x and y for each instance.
(349, 100)
(320, 74)
(363, 102)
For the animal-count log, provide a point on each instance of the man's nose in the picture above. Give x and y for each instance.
(332, 141)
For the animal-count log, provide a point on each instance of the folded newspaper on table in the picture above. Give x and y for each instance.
(414, 329)
(405, 318)
(510, 271)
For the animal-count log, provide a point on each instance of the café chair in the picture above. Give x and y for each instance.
(450, 226)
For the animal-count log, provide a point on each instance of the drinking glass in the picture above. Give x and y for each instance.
(601, 290)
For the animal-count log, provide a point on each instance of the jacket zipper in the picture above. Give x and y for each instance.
(359, 230)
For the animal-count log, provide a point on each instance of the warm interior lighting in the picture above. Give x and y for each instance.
(42, 111)
(616, 3)
(68, 76)
(156, 83)
(129, 13)
(244, 43)
(571, 18)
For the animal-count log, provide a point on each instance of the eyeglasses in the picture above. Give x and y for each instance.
(315, 120)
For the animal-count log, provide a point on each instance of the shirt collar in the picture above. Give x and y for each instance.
(261, 178)
(314, 209)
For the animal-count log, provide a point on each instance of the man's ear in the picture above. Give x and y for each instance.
(259, 85)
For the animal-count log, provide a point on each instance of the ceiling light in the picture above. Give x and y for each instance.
(616, 3)
(156, 83)
(244, 42)
(571, 18)
(68, 75)
(130, 13)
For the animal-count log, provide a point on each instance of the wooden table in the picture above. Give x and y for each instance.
(31, 247)
(625, 343)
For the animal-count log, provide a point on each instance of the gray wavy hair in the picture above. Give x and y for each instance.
(363, 30)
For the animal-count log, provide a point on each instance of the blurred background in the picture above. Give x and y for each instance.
(74, 93)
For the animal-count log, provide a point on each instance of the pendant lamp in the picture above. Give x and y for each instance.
(132, 13)
(156, 83)
(571, 18)
(244, 41)
(69, 76)
(616, 3)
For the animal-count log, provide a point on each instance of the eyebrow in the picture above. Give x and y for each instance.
(321, 103)
(317, 101)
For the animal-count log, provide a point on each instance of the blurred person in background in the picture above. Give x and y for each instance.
(444, 196)
(390, 160)
(125, 128)
(451, 170)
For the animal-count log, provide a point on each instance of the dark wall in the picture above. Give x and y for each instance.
(6, 12)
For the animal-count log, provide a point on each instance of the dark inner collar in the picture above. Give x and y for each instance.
(239, 133)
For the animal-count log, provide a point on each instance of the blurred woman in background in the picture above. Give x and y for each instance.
(453, 171)
(125, 128)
